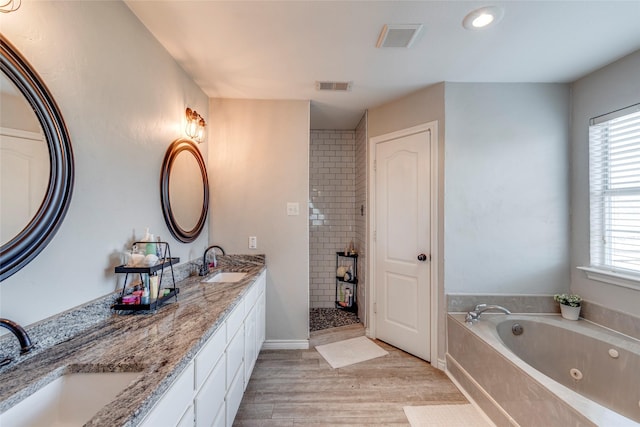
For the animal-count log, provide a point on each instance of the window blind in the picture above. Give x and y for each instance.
(614, 181)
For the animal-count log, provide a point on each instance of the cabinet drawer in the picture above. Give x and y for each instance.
(250, 298)
(209, 355)
(261, 283)
(220, 417)
(250, 352)
(235, 319)
(172, 405)
(235, 354)
(188, 418)
(234, 397)
(260, 311)
(211, 396)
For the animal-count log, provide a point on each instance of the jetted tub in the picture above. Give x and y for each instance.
(544, 370)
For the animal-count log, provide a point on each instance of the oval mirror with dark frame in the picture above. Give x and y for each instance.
(30, 219)
(184, 190)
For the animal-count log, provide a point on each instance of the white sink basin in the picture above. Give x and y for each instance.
(70, 400)
(226, 277)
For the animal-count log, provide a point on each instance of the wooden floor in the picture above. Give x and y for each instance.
(298, 387)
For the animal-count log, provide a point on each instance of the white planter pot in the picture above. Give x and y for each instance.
(570, 313)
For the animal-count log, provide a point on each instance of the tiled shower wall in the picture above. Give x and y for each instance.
(332, 176)
(361, 215)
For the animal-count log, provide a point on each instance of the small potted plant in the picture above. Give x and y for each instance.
(569, 305)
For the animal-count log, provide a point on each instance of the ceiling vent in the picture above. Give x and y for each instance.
(334, 86)
(398, 35)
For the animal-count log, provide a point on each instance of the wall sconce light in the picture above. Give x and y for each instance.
(7, 6)
(195, 125)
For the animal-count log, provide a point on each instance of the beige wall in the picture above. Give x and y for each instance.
(123, 99)
(419, 107)
(258, 162)
(15, 112)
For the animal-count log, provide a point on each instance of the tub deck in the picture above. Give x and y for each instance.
(512, 392)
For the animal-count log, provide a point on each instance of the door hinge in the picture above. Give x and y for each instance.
(375, 165)
(375, 307)
(375, 235)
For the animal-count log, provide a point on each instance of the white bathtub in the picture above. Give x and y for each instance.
(556, 373)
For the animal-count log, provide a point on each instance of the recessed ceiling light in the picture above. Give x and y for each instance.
(483, 17)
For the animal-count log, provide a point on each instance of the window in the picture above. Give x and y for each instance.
(614, 181)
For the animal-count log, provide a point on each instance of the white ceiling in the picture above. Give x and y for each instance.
(279, 49)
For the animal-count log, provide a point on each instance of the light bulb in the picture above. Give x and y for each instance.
(482, 20)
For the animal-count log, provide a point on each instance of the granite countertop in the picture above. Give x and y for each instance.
(158, 345)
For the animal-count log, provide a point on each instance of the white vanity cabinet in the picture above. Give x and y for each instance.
(261, 305)
(209, 391)
(175, 407)
(235, 362)
(250, 345)
(245, 346)
(254, 326)
(210, 379)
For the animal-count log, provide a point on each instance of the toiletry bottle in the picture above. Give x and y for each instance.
(144, 299)
(158, 247)
(153, 287)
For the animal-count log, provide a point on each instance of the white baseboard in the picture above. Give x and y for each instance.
(286, 345)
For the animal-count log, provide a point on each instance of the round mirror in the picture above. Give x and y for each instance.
(36, 162)
(184, 190)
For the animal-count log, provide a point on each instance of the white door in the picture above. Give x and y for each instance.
(24, 178)
(403, 242)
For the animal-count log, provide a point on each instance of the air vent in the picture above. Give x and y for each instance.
(398, 35)
(334, 86)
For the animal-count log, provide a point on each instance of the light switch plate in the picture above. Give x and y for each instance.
(253, 242)
(293, 208)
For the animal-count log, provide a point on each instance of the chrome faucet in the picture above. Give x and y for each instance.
(204, 269)
(474, 314)
(20, 333)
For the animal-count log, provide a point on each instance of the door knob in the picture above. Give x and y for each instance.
(422, 257)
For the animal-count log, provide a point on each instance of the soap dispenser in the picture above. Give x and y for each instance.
(214, 262)
(151, 247)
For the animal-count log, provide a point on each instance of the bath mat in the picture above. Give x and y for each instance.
(445, 416)
(355, 350)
